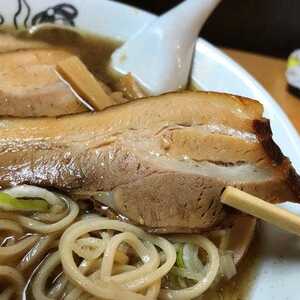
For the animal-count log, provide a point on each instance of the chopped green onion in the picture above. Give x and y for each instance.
(188, 265)
(191, 259)
(9, 203)
(179, 256)
(184, 273)
(227, 266)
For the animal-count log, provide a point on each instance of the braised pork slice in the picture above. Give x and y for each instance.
(30, 86)
(165, 160)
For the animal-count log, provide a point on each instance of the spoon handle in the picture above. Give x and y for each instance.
(189, 16)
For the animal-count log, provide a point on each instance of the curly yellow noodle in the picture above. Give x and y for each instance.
(109, 289)
(19, 248)
(100, 258)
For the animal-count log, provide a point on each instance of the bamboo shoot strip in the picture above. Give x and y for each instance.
(74, 71)
(261, 209)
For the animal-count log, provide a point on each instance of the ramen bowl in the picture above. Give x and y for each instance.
(277, 272)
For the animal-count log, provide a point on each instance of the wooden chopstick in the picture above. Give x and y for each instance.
(261, 209)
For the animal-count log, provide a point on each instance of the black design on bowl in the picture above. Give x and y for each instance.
(60, 14)
(63, 14)
(22, 6)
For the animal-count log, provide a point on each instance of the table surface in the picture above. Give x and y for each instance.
(270, 72)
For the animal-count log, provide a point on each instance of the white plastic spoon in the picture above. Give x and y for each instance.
(159, 56)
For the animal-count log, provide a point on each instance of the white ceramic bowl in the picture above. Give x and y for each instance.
(278, 274)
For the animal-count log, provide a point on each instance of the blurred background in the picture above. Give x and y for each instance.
(269, 27)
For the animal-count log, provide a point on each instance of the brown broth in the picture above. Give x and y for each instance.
(93, 50)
